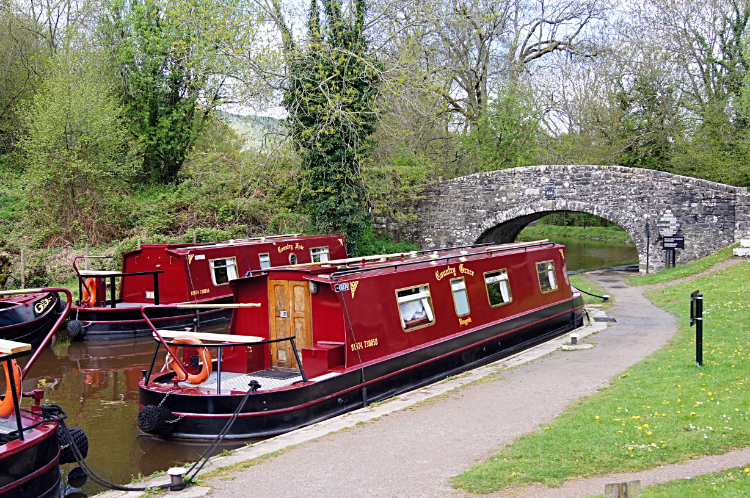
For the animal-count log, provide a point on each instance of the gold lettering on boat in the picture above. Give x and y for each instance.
(451, 270)
(353, 287)
(40, 306)
(199, 291)
(190, 258)
(297, 245)
(465, 270)
(466, 321)
(284, 248)
(365, 344)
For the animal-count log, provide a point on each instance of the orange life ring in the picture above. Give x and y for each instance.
(6, 406)
(89, 292)
(176, 366)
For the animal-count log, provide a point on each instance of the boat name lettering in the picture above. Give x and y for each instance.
(341, 287)
(451, 270)
(297, 245)
(284, 248)
(465, 270)
(466, 321)
(41, 305)
(366, 344)
(199, 291)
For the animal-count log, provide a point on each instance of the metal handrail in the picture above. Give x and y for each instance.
(112, 297)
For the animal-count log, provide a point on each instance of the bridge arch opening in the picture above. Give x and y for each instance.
(507, 225)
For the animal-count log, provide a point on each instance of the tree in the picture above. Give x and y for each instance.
(174, 60)
(77, 151)
(331, 96)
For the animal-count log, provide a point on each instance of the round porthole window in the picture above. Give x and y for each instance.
(292, 259)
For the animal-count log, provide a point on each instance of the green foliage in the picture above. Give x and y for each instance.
(505, 136)
(77, 152)
(331, 100)
(576, 219)
(611, 234)
(370, 243)
(649, 126)
(168, 56)
(662, 410)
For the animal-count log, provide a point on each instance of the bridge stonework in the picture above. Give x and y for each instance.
(496, 206)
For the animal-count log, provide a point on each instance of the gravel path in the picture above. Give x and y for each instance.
(414, 452)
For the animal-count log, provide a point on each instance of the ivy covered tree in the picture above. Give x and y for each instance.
(331, 95)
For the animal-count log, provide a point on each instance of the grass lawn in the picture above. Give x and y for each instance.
(662, 410)
(732, 482)
(685, 270)
(580, 281)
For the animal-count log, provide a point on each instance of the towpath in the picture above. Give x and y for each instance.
(413, 452)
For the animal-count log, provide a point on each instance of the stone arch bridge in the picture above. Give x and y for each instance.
(496, 206)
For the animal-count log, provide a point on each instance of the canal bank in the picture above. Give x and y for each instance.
(414, 451)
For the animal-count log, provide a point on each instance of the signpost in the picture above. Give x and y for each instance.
(668, 226)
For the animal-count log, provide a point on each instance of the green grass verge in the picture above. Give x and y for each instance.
(685, 270)
(662, 410)
(593, 233)
(580, 281)
(732, 482)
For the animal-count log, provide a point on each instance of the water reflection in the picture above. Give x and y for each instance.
(587, 255)
(96, 384)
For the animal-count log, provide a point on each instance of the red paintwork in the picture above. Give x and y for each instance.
(31, 438)
(374, 312)
(187, 274)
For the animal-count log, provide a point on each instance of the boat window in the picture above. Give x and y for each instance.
(460, 298)
(292, 259)
(546, 272)
(498, 287)
(223, 270)
(265, 261)
(319, 254)
(415, 307)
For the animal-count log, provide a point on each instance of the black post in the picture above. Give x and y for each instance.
(112, 292)
(696, 317)
(156, 289)
(80, 290)
(699, 330)
(648, 244)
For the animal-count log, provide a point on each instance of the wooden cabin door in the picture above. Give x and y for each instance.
(290, 315)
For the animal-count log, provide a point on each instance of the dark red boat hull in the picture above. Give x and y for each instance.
(275, 412)
(23, 324)
(31, 468)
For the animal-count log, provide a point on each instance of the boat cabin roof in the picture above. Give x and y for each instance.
(344, 270)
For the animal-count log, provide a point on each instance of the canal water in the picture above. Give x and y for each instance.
(96, 383)
(587, 255)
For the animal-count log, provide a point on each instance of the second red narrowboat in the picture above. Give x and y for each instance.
(183, 273)
(314, 341)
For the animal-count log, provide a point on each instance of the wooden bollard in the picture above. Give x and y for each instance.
(630, 489)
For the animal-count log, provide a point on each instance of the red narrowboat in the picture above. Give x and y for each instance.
(31, 446)
(314, 341)
(183, 273)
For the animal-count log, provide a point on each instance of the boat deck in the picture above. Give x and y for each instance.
(268, 380)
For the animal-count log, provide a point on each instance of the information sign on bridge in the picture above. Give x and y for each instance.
(668, 225)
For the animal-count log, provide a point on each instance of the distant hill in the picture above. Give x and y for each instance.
(253, 128)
